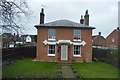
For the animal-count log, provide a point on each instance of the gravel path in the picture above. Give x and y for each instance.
(67, 71)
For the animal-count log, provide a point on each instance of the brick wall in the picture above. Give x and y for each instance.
(114, 35)
(64, 34)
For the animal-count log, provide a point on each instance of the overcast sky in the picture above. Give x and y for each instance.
(103, 14)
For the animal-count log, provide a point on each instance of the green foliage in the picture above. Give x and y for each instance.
(96, 60)
(35, 38)
(27, 68)
(113, 57)
(24, 44)
(96, 70)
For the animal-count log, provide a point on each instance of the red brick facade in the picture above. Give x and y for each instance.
(64, 34)
(113, 39)
(99, 40)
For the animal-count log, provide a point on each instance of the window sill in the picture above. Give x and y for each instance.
(76, 40)
(52, 39)
(51, 54)
(76, 55)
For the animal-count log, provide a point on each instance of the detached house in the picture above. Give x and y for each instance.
(28, 38)
(99, 40)
(8, 40)
(113, 39)
(64, 40)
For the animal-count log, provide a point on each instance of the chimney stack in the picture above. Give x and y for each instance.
(86, 18)
(42, 16)
(81, 20)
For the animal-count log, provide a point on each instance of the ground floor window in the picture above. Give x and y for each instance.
(77, 50)
(51, 50)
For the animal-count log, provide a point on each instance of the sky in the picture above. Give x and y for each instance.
(103, 14)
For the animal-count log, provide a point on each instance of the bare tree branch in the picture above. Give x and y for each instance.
(11, 13)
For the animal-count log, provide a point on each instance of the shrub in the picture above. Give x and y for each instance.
(96, 60)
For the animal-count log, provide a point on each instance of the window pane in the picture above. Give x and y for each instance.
(77, 49)
(51, 49)
(51, 33)
(77, 34)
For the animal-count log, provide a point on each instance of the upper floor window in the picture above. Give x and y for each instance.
(51, 34)
(77, 35)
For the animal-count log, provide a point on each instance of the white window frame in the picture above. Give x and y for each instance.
(53, 37)
(51, 49)
(113, 40)
(76, 55)
(77, 34)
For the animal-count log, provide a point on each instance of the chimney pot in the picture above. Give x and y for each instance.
(100, 33)
(81, 16)
(86, 12)
(42, 10)
(118, 28)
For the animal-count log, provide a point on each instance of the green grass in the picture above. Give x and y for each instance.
(27, 68)
(96, 70)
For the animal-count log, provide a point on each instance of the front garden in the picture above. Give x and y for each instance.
(96, 70)
(27, 68)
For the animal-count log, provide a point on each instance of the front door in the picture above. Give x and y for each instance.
(64, 52)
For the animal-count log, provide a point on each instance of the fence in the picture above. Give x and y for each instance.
(14, 53)
(104, 47)
(11, 54)
(99, 53)
(110, 56)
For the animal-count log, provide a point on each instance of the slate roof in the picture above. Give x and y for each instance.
(7, 37)
(64, 23)
(96, 36)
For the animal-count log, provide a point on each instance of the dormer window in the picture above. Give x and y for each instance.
(51, 34)
(77, 35)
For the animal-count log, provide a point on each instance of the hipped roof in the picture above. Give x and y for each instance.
(64, 23)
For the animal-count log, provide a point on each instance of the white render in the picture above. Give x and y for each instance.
(83, 43)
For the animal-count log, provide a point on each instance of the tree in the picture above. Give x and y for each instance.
(12, 14)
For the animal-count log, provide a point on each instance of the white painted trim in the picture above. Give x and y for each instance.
(83, 43)
(77, 40)
(77, 55)
(52, 39)
(51, 54)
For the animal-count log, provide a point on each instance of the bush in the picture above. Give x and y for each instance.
(96, 60)
(101, 59)
(113, 57)
(24, 44)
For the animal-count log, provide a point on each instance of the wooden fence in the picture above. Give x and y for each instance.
(10, 54)
(14, 53)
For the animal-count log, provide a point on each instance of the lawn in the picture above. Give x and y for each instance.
(27, 68)
(96, 70)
